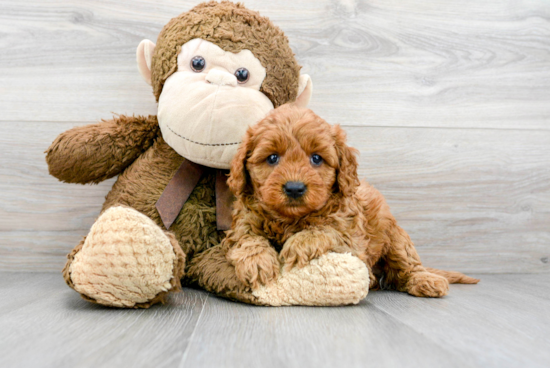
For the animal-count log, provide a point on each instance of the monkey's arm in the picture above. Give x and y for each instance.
(93, 153)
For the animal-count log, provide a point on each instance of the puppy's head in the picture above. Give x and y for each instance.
(293, 162)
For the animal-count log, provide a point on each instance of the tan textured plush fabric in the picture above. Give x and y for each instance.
(126, 259)
(330, 280)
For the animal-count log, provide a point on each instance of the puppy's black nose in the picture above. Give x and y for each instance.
(294, 189)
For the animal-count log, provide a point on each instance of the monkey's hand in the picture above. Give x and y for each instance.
(309, 244)
(255, 261)
(93, 153)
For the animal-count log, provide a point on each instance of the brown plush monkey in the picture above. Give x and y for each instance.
(214, 71)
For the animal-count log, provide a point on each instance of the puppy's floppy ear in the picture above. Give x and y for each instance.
(347, 180)
(238, 178)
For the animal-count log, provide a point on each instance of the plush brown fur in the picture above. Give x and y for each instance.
(79, 155)
(133, 148)
(233, 28)
(141, 181)
(337, 213)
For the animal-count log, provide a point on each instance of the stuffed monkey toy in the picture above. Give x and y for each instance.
(215, 70)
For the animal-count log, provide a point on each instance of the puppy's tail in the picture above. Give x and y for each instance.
(454, 277)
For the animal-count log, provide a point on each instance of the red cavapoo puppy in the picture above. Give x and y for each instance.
(298, 196)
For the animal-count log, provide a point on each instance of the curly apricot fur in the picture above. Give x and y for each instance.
(337, 212)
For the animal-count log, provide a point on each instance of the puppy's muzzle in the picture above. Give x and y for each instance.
(294, 189)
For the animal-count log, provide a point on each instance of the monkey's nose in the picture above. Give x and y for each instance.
(221, 78)
(294, 189)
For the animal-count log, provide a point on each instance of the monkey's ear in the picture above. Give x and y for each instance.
(305, 90)
(144, 55)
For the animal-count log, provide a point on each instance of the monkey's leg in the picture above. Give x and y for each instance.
(332, 279)
(125, 261)
(403, 270)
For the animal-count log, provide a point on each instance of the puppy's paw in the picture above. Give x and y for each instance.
(426, 284)
(255, 264)
(304, 246)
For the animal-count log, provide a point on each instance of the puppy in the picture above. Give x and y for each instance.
(298, 196)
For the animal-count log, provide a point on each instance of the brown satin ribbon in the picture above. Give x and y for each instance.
(224, 201)
(181, 186)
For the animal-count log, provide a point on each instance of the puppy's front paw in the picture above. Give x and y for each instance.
(304, 246)
(254, 265)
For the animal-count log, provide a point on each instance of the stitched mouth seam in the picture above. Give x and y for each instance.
(203, 144)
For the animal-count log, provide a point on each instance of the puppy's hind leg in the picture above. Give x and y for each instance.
(403, 269)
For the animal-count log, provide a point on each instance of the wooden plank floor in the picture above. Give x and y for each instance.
(502, 322)
(449, 105)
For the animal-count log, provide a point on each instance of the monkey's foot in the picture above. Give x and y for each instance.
(126, 261)
(332, 279)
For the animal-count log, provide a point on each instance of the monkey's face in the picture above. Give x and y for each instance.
(206, 106)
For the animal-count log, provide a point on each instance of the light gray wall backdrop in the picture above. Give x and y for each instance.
(447, 101)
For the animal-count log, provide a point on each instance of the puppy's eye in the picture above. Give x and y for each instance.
(273, 159)
(242, 75)
(316, 160)
(197, 64)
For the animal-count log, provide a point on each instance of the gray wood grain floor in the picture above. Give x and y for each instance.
(448, 103)
(502, 322)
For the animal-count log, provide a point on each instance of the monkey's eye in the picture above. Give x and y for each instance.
(316, 160)
(198, 63)
(242, 75)
(273, 159)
